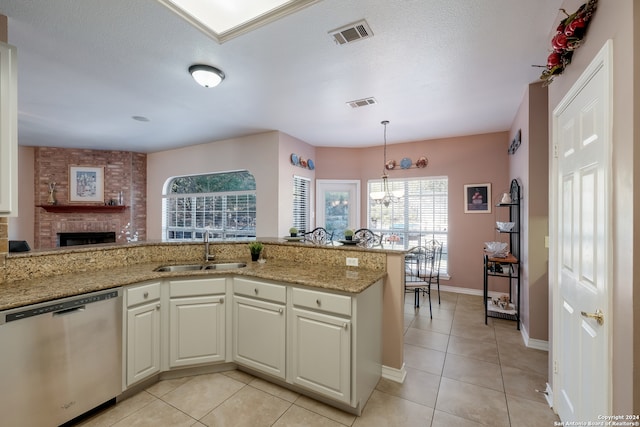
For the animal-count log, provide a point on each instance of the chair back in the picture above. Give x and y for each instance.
(367, 238)
(419, 263)
(437, 251)
(318, 236)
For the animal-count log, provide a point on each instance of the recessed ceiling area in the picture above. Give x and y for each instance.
(435, 69)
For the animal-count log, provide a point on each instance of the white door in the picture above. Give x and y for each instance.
(337, 205)
(581, 251)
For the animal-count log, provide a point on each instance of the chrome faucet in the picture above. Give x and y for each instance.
(207, 255)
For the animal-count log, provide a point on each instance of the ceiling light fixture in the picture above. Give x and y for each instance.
(206, 75)
(386, 197)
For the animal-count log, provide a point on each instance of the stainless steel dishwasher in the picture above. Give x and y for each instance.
(60, 359)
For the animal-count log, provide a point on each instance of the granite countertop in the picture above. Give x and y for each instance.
(342, 279)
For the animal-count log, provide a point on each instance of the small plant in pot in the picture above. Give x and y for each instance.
(348, 234)
(293, 231)
(255, 248)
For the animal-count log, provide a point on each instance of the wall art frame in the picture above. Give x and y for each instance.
(477, 198)
(86, 184)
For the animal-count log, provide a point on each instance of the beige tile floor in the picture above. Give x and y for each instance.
(460, 372)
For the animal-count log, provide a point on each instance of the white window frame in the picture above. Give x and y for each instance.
(407, 235)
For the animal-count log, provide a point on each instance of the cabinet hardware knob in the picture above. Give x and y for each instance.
(221, 301)
(255, 290)
(318, 302)
(158, 307)
(280, 311)
(345, 326)
(146, 295)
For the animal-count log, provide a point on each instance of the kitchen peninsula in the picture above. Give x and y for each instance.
(311, 285)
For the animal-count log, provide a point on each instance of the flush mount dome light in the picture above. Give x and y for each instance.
(206, 75)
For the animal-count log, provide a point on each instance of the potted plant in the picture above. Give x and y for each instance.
(255, 248)
(348, 234)
(293, 231)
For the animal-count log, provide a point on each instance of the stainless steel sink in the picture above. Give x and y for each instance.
(225, 265)
(196, 267)
(183, 267)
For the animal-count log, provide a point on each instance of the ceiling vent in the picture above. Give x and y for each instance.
(351, 33)
(362, 102)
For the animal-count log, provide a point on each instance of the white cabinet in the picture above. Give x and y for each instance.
(143, 331)
(8, 131)
(197, 326)
(321, 353)
(259, 326)
(336, 345)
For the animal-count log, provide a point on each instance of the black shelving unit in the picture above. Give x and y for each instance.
(507, 268)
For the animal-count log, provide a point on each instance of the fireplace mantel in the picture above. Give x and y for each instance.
(82, 208)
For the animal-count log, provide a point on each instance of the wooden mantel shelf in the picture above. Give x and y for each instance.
(82, 208)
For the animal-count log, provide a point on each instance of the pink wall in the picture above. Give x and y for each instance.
(530, 166)
(464, 160)
(618, 20)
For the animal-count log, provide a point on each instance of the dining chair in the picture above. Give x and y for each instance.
(434, 276)
(318, 236)
(367, 238)
(419, 265)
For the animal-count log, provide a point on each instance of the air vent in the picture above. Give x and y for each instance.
(362, 102)
(352, 32)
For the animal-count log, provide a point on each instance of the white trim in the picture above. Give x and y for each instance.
(532, 342)
(548, 395)
(393, 374)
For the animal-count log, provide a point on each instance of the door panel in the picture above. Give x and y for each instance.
(338, 206)
(581, 259)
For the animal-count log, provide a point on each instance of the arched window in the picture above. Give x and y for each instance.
(224, 203)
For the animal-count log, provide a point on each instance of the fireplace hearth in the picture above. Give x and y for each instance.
(86, 238)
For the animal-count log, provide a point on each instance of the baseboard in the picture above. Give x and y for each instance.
(457, 290)
(548, 394)
(531, 342)
(393, 374)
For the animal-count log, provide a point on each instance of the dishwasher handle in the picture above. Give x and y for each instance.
(69, 311)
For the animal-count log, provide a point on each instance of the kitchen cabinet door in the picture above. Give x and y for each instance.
(321, 353)
(143, 342)
(8, 131)
(259, 335)
(196, 330)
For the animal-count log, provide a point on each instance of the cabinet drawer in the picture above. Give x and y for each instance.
(143, 293)
(315, 300)
(195, 287)
(255, 289)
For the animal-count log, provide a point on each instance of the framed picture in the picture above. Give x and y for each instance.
(86, 184)
(477, 198)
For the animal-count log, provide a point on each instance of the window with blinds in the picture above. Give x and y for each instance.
(421, 215)
(224, 203)
(301, 205)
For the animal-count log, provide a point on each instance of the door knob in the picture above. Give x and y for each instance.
(598, 315)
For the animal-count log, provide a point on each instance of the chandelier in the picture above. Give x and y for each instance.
(386, 197)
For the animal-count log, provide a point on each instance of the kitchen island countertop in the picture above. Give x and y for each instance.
(340, 279)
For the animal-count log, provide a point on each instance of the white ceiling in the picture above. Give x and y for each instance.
(437, 68)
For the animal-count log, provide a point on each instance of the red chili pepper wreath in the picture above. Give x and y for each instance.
(567, 39)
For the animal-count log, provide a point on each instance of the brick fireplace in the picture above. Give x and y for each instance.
(123, 171)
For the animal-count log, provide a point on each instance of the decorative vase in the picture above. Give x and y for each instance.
(506, 198)
(348, 237)
(294, 234)
(255, 256)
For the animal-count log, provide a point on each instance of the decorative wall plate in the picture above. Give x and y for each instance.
(294, 159)
(405, 163)
(422, 162)
(391, 164)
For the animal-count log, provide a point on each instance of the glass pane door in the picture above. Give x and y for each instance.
(338, 206)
